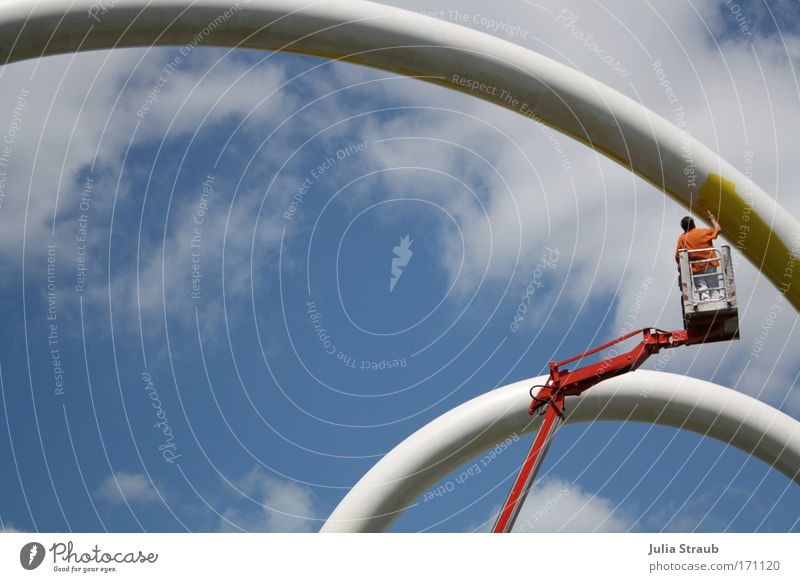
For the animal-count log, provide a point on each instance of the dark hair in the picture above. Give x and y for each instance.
(687, 223)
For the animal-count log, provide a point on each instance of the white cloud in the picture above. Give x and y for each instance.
(122, 487)
(88, 119)
(162, 280)
(9, 528)
(79, 111)
(554, 505)
(281, 506)
(212, 86)
(696, 513)
(64, 102)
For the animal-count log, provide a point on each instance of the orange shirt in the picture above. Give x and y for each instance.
(698, 238)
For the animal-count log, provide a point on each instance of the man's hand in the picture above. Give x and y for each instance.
(714, 222)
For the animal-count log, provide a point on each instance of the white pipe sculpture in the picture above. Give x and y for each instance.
(428, 455)
(479, 64)
(513, 77)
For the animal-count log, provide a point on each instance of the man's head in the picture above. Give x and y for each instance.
(687, 223)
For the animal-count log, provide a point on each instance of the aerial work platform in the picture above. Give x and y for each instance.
(709, 311)
(710, 314)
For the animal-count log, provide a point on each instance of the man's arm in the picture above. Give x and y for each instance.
(714, 222)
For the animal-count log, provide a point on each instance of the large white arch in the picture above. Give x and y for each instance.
(484, 66)
(428, 455)
(447, 54)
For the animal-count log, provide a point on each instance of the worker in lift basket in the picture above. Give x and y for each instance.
(701, 238)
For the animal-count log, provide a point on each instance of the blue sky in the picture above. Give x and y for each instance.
(214, 403)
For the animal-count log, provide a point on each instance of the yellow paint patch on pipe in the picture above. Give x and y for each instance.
(743, 227)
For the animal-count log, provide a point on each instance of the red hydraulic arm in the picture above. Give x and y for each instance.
(563, 383)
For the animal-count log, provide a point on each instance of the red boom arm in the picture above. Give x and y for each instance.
(564, 383)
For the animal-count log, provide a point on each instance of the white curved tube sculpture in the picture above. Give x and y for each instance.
(542, 89)
(447, 54)
(427, 456)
